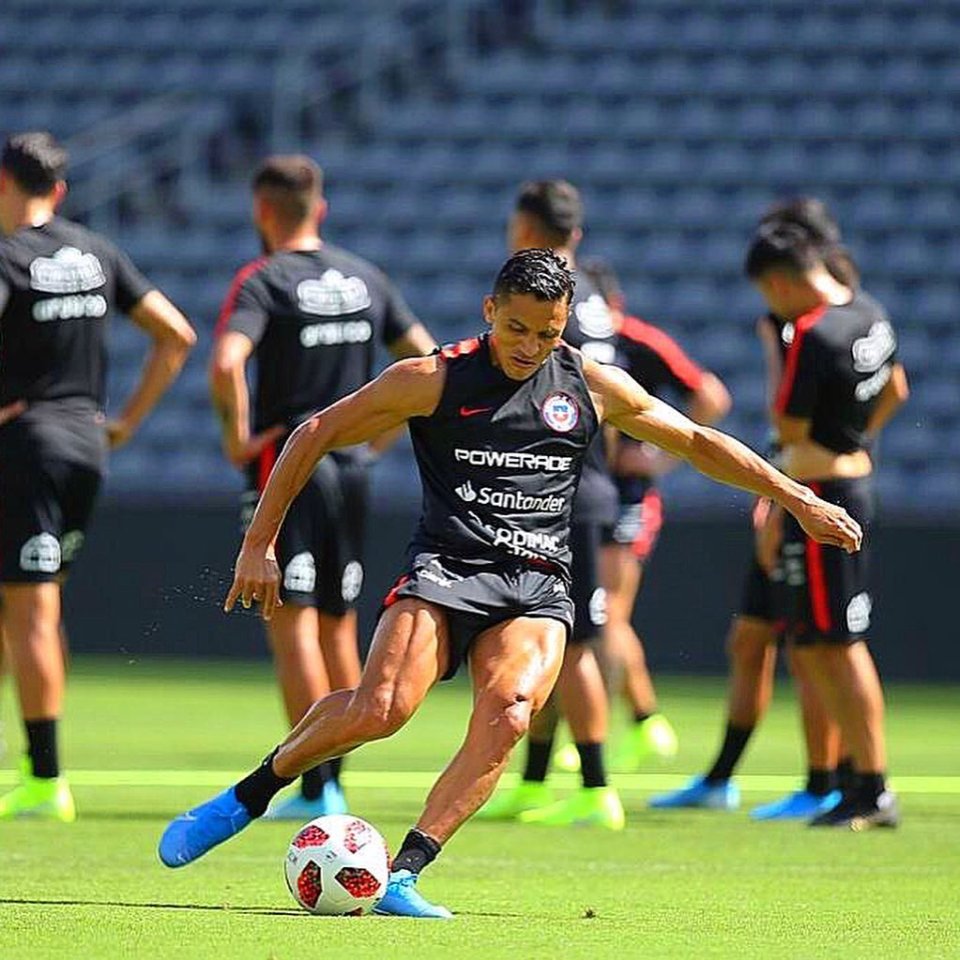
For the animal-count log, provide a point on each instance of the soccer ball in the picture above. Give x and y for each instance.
(337, 865)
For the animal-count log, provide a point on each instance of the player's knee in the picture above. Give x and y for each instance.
(747, 648)
(509, 719)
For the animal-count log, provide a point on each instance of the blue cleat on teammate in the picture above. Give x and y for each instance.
(195, 832)
(299, 808)
(403, 899)
(699, 792)
(800, 805)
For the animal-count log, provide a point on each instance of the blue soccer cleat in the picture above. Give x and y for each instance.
(299, 808)
(402, 899)
(195, 832)
(724, 795)
(797, 806)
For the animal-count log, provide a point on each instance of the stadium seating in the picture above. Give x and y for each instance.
(678, 121)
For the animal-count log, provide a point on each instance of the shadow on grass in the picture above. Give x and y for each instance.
(209, 907)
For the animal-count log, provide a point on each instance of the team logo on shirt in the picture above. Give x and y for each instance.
(560, 412)
(513, 501)
(333, 295)
(300, 575)
(69, 270)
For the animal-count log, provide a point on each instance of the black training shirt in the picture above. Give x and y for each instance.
(315, 318)
(840, 360)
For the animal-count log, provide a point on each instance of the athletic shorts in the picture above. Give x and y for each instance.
(589, 597)
(320, 545)
(477, 598)
(45, 506)
(639, 519)
(762, 595)
(826, 592)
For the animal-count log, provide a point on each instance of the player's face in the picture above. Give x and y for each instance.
(524, 330)
(784, 294)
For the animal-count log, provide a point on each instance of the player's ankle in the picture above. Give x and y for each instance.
(257, 789)
(416, 852)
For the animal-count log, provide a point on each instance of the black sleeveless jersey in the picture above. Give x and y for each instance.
(59, 285)
(840, 360)
(592, 330)
(500, 459)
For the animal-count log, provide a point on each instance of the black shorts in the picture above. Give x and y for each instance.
(762, 595)
(320, 545)
(589, 597)
(826, 593)
(639, 520)
(477, 598)
(45, 505)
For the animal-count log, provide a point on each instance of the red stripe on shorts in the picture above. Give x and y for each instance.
(268, 457)
(652, 514)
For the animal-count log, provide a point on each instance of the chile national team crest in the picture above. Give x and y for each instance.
(560, 412)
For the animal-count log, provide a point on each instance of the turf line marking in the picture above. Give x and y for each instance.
(420, 780)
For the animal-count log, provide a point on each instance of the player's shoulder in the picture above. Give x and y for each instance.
(841, 321)
(252, 271)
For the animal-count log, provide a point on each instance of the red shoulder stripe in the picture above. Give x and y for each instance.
(665, 347)
(230, 301)
(800, 327)
(461, 349)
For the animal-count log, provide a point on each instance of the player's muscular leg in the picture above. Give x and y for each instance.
(338, 641)
(752, 654)
(820, 731)
(583, 697)
(847, 680)
(31, 618)
(408, 655)
(514, 667)
(294, 639)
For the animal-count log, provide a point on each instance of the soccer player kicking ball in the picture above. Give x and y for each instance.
(511, 413)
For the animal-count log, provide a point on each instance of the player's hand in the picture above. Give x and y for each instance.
(830, 524)
(119, 433)
(241, 453)
(11, 411)
(768, 534)
(256, 579)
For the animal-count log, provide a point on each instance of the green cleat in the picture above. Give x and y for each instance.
(566, 758)
(50, 799)
(588, 807)
(509, 804)
(652, 738)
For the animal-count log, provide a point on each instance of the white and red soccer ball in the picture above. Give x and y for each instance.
(337, 865)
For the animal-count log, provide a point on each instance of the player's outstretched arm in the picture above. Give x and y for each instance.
(623, 402)
(408, 388)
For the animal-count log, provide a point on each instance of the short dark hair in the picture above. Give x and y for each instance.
(601, 274)
(539, 273)
(782, 247)
(556, 205)
(35, 161)
(813, 215)
(292, 183)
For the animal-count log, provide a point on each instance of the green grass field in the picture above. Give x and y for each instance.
(687, 884)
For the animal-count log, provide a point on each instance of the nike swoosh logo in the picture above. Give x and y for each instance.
(473, 411)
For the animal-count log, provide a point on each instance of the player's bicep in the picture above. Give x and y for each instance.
(161, 320)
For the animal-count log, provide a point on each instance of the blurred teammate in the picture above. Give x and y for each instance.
(756, 629)
(59, 285)
(549, 214)
(312, 316)
(512, 413)
(657, 362)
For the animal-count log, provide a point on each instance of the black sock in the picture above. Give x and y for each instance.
(312, 780)
(336, 765)
(416, 852)
(820, 782)
(846, 778)
(42, 748)
(256, 790)
(734, 743)
(591, 764)
(639, 716)
(538, 759)
(870, 786)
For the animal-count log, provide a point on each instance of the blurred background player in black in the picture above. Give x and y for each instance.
(59, 285)
(757, 628)
(549, 214)
(657, 362)
(313, 316)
